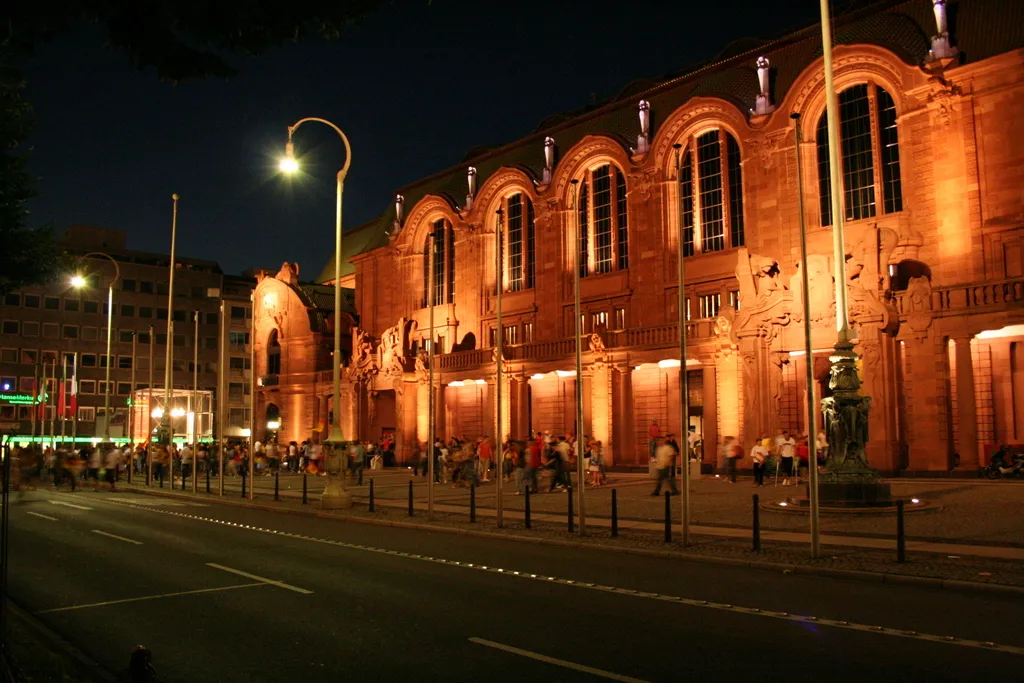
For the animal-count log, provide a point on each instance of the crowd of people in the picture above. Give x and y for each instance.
(543, 462)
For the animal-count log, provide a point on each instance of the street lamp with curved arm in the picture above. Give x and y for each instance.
(334, 496)
(78, 281)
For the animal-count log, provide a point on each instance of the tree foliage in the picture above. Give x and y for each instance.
(179, 39)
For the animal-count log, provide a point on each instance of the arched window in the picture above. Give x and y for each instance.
(868, 138)
(519, 242)
(603, 221)
(713, 200)
(273, 354)
(441, 241)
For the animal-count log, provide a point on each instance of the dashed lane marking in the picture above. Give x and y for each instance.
(40, 514)
(557, 662)
(254, 577)
(120, 538)
(70, 505)
(689, 602)
(149, 597)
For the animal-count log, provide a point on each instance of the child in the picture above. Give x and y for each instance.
(595, 465)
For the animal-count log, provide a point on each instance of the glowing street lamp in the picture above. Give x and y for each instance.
(288, 162)
(78, 281)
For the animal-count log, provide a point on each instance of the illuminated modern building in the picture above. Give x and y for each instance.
(932, 170)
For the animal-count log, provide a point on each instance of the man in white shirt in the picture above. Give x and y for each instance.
(759, 454)
(663, 456)
(112, 463)
(785, 447)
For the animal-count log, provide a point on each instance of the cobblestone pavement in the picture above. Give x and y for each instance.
(959, 511)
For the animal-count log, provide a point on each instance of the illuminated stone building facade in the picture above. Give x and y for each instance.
(933, 179)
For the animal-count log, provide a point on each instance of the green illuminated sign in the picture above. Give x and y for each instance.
(21, 399)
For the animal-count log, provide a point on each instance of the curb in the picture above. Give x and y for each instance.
(79, 659)
(954, 585)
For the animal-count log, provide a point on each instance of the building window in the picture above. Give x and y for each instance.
(124, 362)
(71, 331)
(86, 414)
(90, 307)
(237, 313)
(211, 318)
(441, 246)
(29, 356)
(519, 243)
(146, 287)
(527, 333)
(867, 123)
(161, 314)
(273, 354)
(87, 386)
(31, 301)
(211, 343)
(29, 328)
(124, 388)
(179, 340)
(11, 327)
(71, 305)
(90, 333)
(103, 358)
(8, 383)
(713, 201)
(511, 334)
(26, 385)
(12, 299)
(599, 320)
(620, 318)
(125, 336)
(602, 218)
(145, 312)
(51, 303)
(238, 340)
(88, 360)
(51, 330)
(709, 305)
(179, 316)
(127, 285)
(734, 299)
(128, 310)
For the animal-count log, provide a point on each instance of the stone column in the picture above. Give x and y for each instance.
(601, 407)
(623, 447)
(1002, 385)
(422, 411)
(717, 424)
(965, 399)
(587, 430)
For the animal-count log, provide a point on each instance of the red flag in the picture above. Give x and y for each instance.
(74, 387)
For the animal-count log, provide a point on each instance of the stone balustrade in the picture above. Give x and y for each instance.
(960, 299)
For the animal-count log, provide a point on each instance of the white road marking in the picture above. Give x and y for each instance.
(254, 577)
(70, 505)
(689, 602)
(149, 597)
(40, 514)
(120, 538)
(557, 662)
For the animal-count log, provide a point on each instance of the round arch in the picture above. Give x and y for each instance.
(591, 151)
(695, 116)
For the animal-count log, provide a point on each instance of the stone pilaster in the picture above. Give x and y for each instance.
(965, 400)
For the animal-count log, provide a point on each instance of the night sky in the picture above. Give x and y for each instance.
(414, 87)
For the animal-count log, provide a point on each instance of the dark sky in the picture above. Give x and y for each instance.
(414, 87)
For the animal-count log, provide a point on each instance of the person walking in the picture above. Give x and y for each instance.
(733, 454)
(653, 436)
(758, 454)
(112, 463)
(533, 463)
(484, 453)
(664, 455)
(785, 449)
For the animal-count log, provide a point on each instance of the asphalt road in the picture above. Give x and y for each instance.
(303, 599)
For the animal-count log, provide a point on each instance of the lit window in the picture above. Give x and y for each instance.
(86, 414)
(441, 245)
(519, 243)
(712, 194)
(620, 318)
(511, 335)
(599, 320)
(527, 332)
(861, 134)
(602, 217)
(734, 299)
(709, 304)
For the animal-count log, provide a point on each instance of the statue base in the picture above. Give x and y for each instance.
(854, 494)
(335, 495)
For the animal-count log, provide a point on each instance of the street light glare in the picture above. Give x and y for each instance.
(289, 164)
(77, 281)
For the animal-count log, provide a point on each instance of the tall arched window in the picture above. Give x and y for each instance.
(442, 241)
(713, 196)
(868, 139)
(273, 354)
(603, 221)
(519, 242)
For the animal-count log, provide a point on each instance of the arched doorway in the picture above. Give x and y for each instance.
(272, 422)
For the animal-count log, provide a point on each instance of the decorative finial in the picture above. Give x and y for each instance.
(763, 104)
(643, 140)
(549, 161)
(471, 185)
(941, 47)
(399, 206)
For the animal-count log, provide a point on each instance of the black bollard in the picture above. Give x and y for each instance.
(901, 541)
(360, 482)
(243, 485)
(371, 495)
(668, 516)
(615, 514)
(757, 523)
(572, 518)
(527, 508)
(305, 490)
(472, 502)
(410, 498)
(277, 486)
(207, 477)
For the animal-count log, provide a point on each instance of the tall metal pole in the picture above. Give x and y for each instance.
(580, 466)
(499, 340)
(252, 393)
(53, 413)
(684, 384)
(74, 416)
(222, 399)
(149, 411)
(110, 361)
(169, 356)
(37, 399)
(430, 375)
(131, 412)
(65, 397)
(812, 424)
(835, 186)
(195, 401)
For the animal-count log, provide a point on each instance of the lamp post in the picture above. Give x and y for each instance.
(499, 340)
(684, 391)
(430, 376)
(580, 465)
(169, 354)
(335, 495)
(78, 281)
